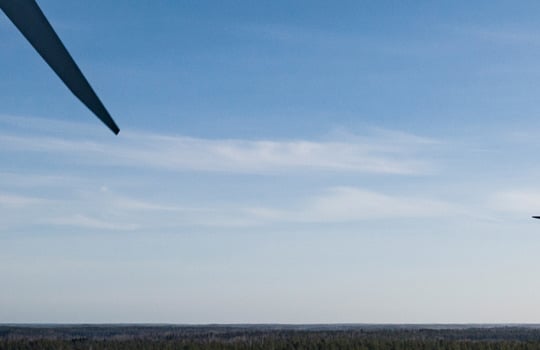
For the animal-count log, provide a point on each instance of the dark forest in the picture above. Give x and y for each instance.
(240, 337)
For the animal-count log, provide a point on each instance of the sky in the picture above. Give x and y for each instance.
(278, 162)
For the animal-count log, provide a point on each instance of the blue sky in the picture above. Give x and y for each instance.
(294, 162)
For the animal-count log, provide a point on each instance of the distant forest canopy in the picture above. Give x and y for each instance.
(246, 337)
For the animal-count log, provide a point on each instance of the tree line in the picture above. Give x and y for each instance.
(267, 337)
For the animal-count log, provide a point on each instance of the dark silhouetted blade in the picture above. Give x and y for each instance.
(536, 217)
(28, 18)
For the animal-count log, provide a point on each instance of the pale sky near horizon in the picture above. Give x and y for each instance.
(278, 162)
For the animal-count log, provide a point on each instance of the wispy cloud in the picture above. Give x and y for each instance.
(247, 156)
(16, 179)
(19, 201)
(83, 221)
(350, 204)
(383, 152)
(523, 201)
(86, 198)
(109, 211)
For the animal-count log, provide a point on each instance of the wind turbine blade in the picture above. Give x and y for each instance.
(32, 23)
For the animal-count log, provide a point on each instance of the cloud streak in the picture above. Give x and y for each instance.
(83, 221)
(382, 153)
(89, 164)
(517, 201)
(108, 211)
(20, 201)
(352, 204)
